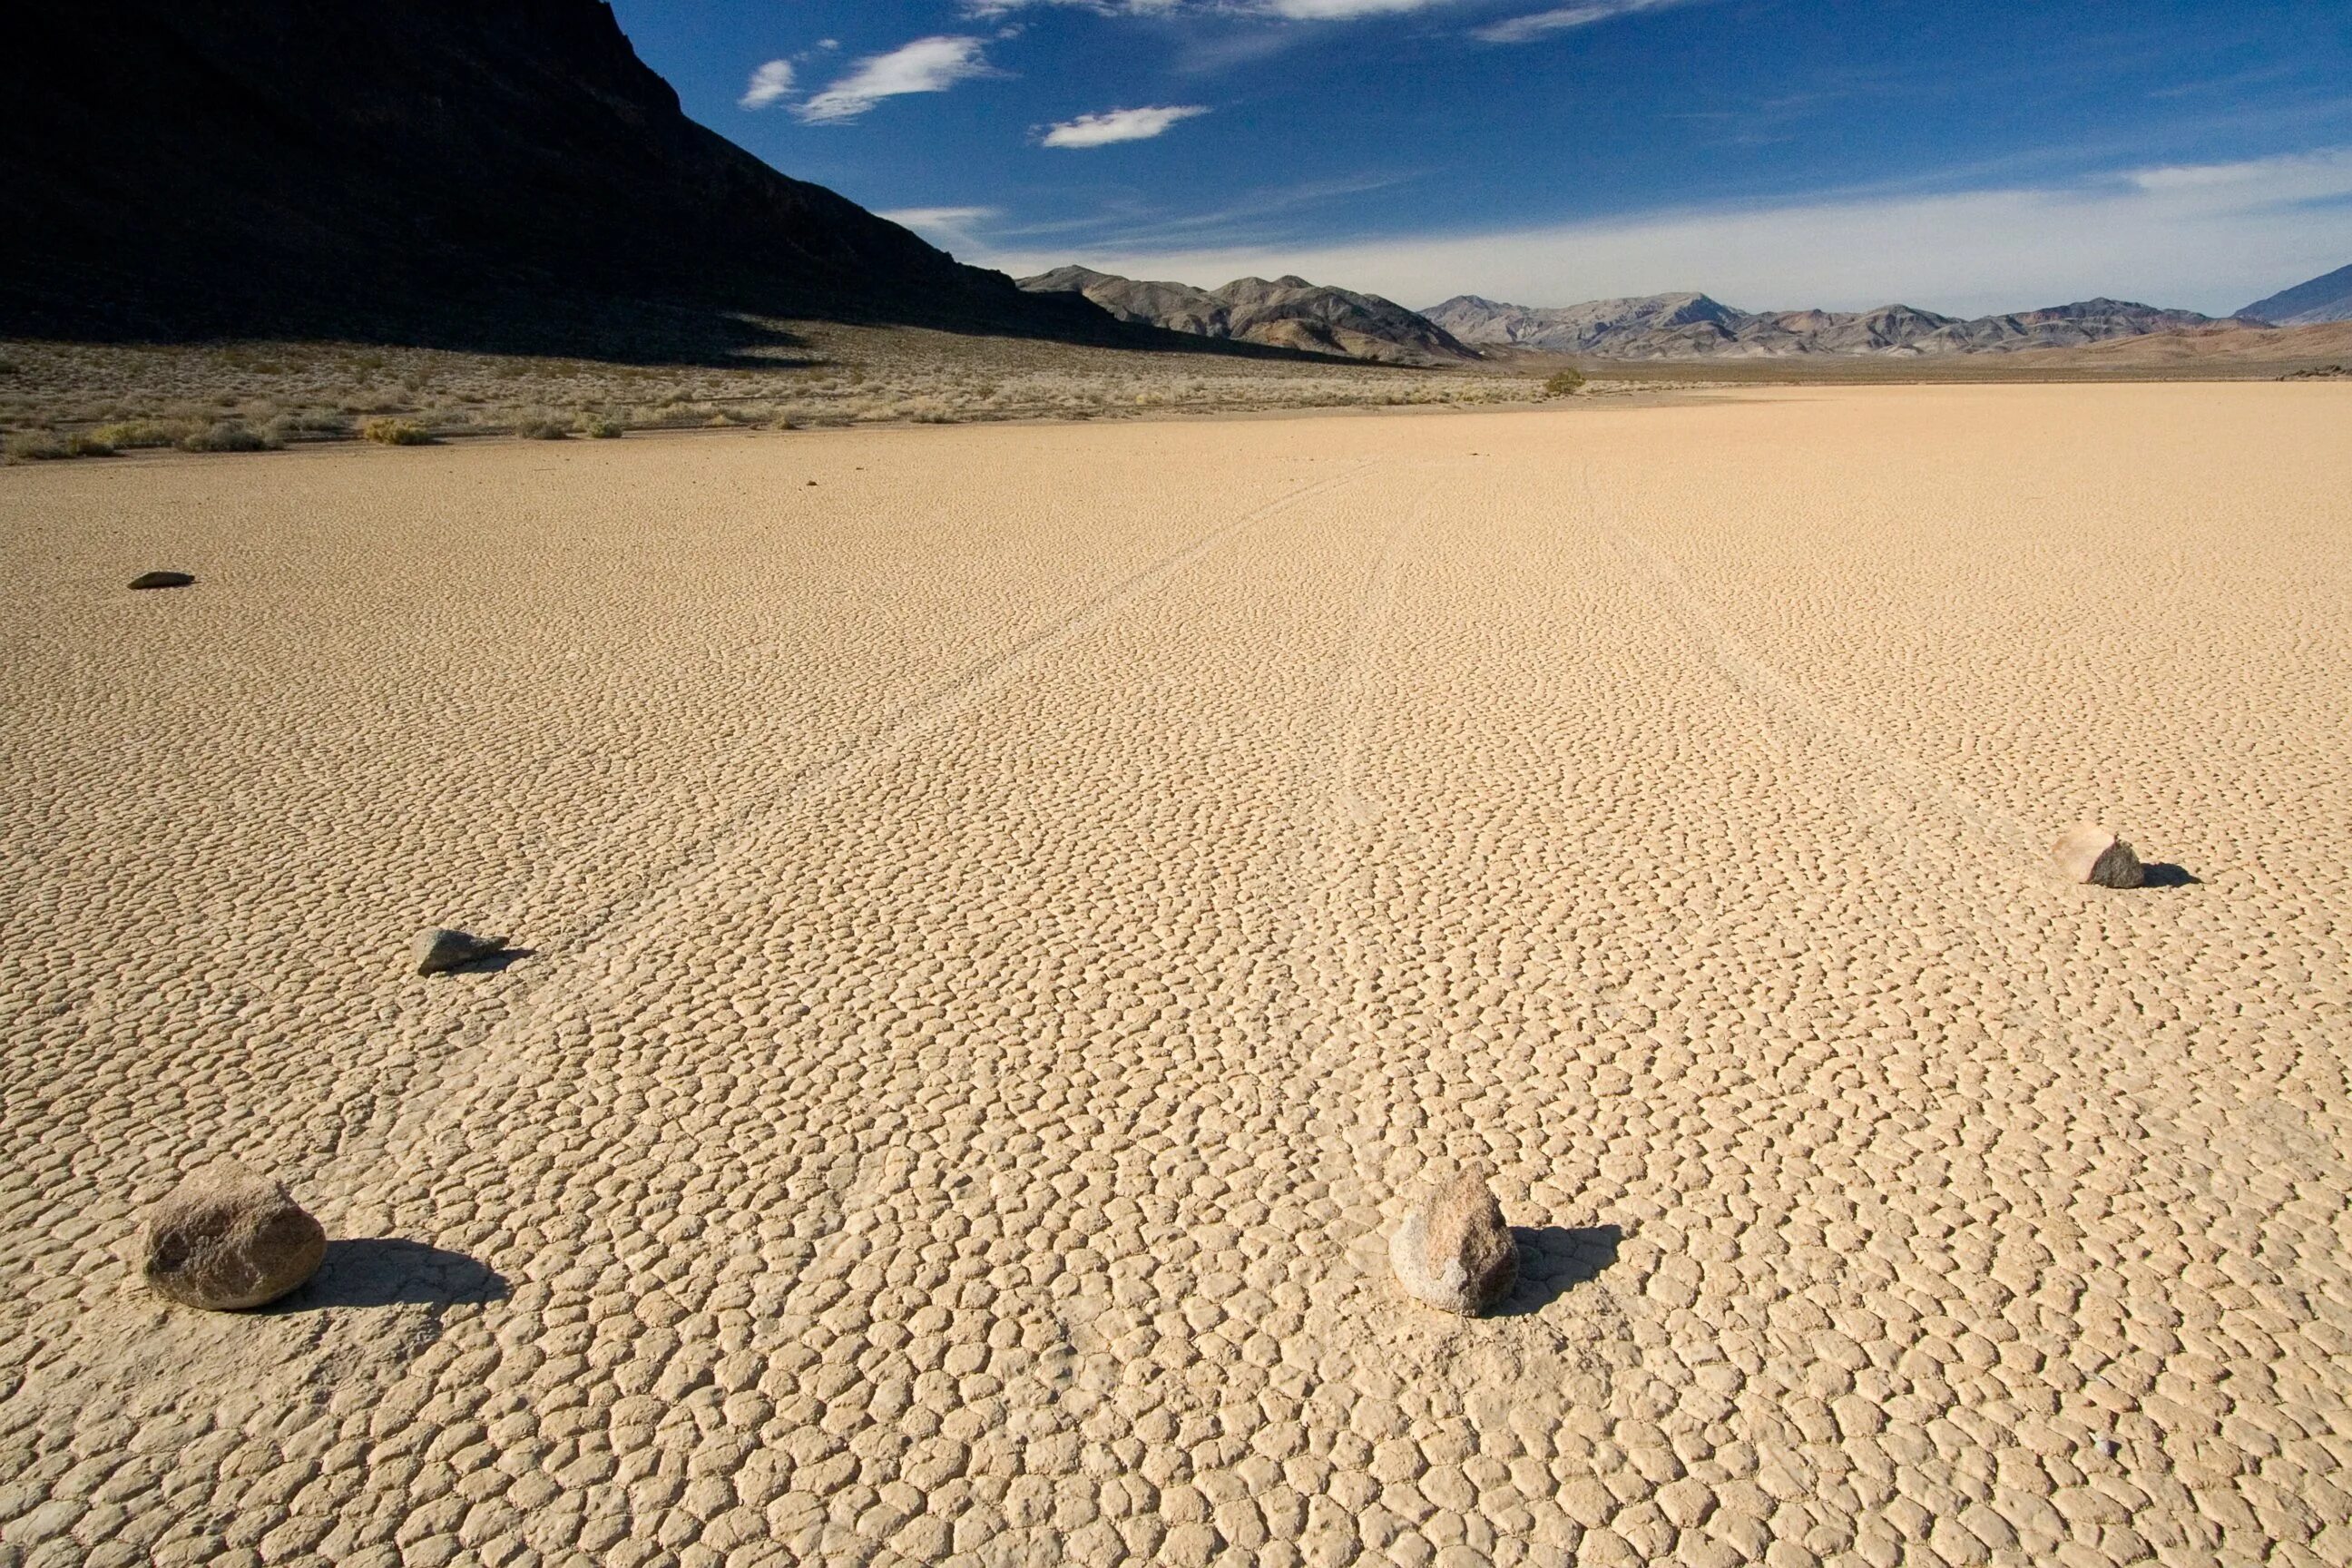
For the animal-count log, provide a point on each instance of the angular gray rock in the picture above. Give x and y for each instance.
(2089, 854)
(438, 950)
(162, 580)
(229, 1238)
(1454, 1252)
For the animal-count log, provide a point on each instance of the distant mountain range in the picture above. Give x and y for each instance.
(1286, 313)
(1291, 313)
(2327, 298)
(504, 176)
(1690, 326)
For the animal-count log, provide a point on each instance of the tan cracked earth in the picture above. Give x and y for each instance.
(1013, 923)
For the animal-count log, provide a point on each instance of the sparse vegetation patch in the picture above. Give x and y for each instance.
(395, 432)
(47, 446)
(228, 435)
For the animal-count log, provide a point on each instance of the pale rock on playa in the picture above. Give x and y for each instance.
(2090, 854)
(439, 950)
(229, 1238)
(1454, 1252)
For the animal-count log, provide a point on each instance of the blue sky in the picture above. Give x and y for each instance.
(1958, 156)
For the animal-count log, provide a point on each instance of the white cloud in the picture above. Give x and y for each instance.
(2310, 174)
(769, 83)
(927, 65)
(1345, 10)
(1118, 125)
(1543, 24)
(1299, 10)
(949, 226)
(2208, 238)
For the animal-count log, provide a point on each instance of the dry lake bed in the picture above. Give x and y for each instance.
(1016, 915)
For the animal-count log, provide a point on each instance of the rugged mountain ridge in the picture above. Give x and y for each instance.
(1689, 326)
(439, 172)
(2327, 297)
(1283, 312)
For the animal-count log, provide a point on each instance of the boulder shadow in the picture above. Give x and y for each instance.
(380, 1271)
(2165, 874)
(1554, 1260)
(493, 962)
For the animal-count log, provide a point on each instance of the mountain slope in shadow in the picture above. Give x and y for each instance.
(504, 177)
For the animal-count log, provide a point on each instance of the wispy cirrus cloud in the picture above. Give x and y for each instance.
(1118, 125)
(769, 83)
(952, 226)
(1345, 10)
(926, 65)
(1566, 19)
(1511, 30)
(1297, 10)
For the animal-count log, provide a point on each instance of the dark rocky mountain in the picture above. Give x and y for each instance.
(1577, 329)
(1686, 326)
(444, 172)
(2327, 298)
(1286, 313)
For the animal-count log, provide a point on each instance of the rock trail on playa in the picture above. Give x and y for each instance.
(1016, 925)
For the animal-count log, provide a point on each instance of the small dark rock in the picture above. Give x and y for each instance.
(2089, 854)
(162, 580)
(438, 950)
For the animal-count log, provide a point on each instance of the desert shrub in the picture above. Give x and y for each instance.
(131, 434)
(599, 426)
(47, 446)
(542, 428)
(1564, 383)
(34, 447)
(227, 436)
(395, 432)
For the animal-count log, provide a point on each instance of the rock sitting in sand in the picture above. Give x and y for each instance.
(438, 950)
(1454, 1252)
(2090, 854)
(162, 580)
(229, 1237)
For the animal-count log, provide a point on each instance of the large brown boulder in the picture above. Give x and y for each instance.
(2090, 854)
(1454, 1252)
(229, 1237)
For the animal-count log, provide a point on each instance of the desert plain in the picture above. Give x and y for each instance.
(1014, 915)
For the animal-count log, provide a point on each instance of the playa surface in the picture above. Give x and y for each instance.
(1015, 923)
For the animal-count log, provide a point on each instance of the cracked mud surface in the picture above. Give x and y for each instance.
(1012, 925)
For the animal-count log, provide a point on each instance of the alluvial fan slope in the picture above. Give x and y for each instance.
(1014, 924)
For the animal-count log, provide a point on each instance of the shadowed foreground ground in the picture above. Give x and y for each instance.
(1014, 923)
